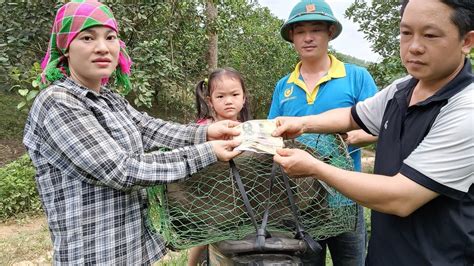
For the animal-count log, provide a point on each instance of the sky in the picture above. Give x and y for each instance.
(350, 42)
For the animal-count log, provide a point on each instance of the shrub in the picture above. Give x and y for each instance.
(12, 121)
(18, 192)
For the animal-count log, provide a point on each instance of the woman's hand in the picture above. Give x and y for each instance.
(222, 130)
(224, 149)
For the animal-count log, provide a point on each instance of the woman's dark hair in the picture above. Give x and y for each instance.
(463, 16)
(204, 90)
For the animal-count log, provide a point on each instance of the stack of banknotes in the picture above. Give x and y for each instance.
(256, 136)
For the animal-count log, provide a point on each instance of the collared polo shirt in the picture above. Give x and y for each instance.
(343, 86)
(432, 144)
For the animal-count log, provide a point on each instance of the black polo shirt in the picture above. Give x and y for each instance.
(431, 143)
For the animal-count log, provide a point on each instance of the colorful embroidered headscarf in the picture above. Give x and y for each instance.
(71, 19)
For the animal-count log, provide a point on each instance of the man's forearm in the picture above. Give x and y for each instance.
(396, 195)
(333, 121)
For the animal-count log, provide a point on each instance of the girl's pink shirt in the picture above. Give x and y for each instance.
(204, 121)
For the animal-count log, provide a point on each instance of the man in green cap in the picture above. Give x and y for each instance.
(321, 82)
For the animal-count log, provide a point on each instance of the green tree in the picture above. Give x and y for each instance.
(254, 47)
(168, 42)
(23, 40)
(379, 22)
(24, 35)
(164, 40)
(211, 18)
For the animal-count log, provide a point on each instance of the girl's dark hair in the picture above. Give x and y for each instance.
(203, 92)
(463, 16)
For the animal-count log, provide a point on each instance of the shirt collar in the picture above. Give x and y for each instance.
(461, 81)
(80, 90)
(337, 70)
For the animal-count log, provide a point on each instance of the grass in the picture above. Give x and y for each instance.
(174, 259)
(25, 239)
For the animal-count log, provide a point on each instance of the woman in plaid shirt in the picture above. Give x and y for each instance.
(93, 152)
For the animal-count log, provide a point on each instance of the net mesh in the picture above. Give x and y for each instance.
(208, 207)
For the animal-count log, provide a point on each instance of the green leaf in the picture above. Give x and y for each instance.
(20, 105)
(23, 92)
(35, 83)
(31, 95)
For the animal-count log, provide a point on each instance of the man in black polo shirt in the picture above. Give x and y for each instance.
(422, 192)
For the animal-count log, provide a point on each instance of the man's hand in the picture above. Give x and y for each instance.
(289, 127)
(358, 138)
(222, 130)
(224, 149)
(296, 162)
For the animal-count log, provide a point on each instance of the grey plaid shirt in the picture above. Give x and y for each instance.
(90, 154)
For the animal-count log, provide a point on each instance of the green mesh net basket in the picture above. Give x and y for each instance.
(208, 207)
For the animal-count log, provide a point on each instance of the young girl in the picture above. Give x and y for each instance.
(222, 96)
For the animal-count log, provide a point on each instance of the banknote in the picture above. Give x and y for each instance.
(256, 136)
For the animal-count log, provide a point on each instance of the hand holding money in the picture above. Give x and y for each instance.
(256, 136)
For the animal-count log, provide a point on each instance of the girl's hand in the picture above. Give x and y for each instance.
(296, 162)
(224, 149)
(222, 130)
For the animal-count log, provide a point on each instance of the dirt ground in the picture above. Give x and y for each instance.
(10, 150)
(11, 228)
(367, 161)
(25, 242)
